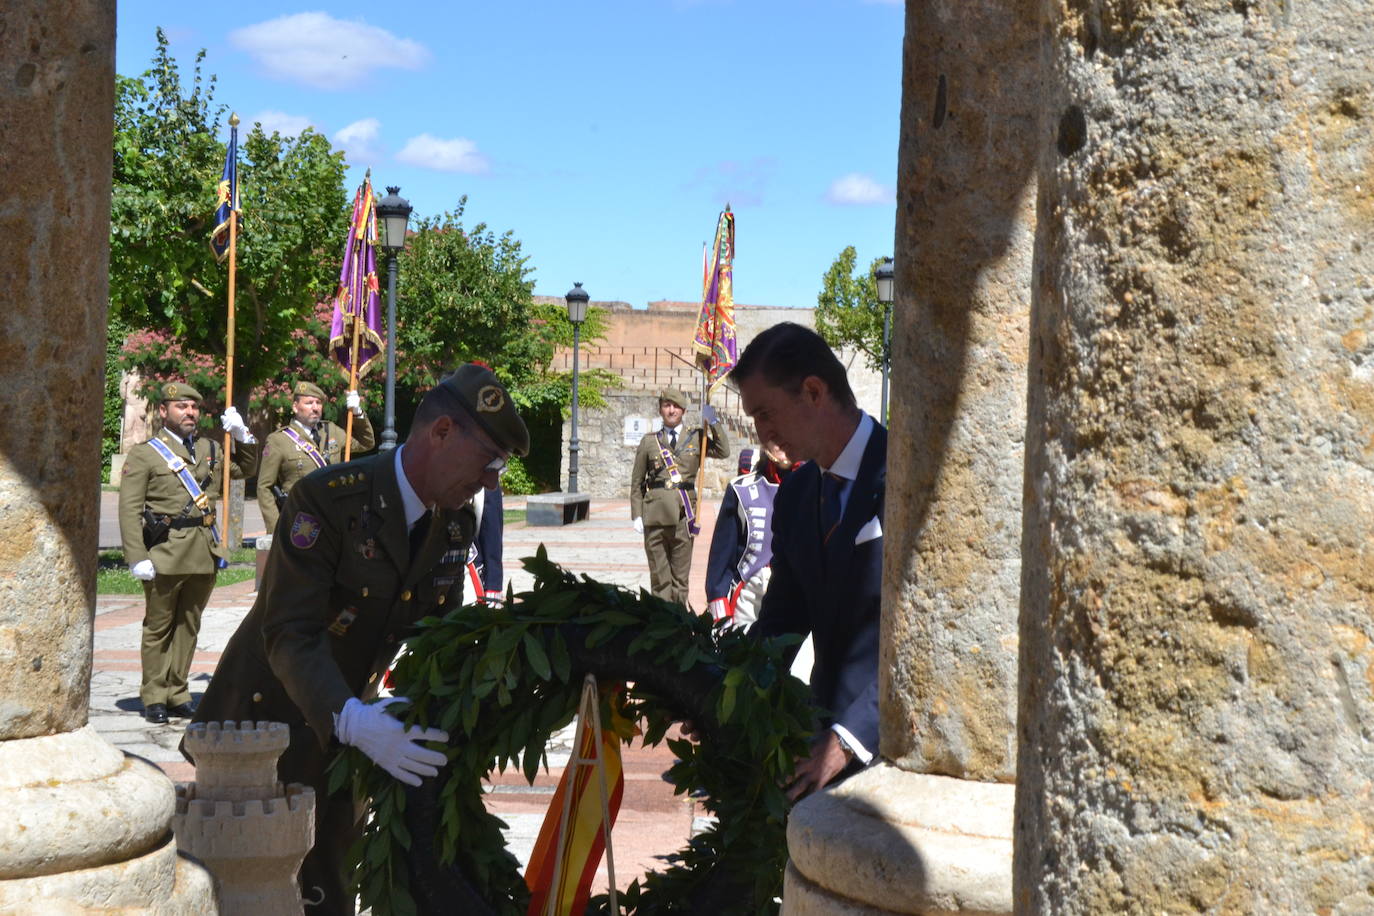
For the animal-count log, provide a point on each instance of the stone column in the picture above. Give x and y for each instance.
(84, 826)
(1197, 634)
(929, 830)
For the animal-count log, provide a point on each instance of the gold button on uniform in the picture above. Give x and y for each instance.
(257, 698)
(405, 595)
(443, 598)
(364, 591)
(373, 678)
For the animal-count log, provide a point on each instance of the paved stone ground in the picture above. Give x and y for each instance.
(652, 823)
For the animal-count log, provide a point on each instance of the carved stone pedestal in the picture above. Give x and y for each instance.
(888, 841)
(249, 830)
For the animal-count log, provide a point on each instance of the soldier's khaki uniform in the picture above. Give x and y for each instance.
(654, 498)
(284, 462)
(185, 561)
(340, 590)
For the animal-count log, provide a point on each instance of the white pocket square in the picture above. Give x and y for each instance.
(872, 529)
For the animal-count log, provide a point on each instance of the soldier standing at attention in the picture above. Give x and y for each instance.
(172, 539)
(662, 490)
(306, 443)
(365, 549)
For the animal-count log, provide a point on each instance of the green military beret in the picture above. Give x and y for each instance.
(307, 390)
(672, 394)
(178, 391)
(484, 397)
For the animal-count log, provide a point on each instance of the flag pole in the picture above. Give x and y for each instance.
(229, 342)
(355, 287)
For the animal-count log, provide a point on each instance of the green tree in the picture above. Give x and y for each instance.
(163, 276)
(466, 294)
(848, 313)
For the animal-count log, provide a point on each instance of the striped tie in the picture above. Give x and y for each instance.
(831, 485)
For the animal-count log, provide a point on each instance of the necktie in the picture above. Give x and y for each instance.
(418, 532)
(190, 443)
(831, 484)
(672, 438)
(315, 434)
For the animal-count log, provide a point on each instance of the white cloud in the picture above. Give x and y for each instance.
(288, 125)
(318, 50)
(456, 155)
(359, 140)
(858, 189)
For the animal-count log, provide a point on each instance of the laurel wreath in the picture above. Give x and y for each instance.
(500, 681)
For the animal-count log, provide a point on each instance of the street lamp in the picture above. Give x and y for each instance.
(577, 299)
(884, 277)
(395, 213)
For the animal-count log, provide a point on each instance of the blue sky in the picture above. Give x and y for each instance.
(606, 135)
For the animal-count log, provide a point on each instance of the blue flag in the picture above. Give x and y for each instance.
(227, 195)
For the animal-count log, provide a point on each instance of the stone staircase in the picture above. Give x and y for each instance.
(651, 369)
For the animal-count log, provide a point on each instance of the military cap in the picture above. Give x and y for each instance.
(178, 391)
(674, 395)
(307, 390)
(486, 400)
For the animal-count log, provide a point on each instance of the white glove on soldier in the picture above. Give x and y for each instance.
(143, 571)
(389, 744)
(717, 609)
(639, 526)
(355, 403)
(233, 424)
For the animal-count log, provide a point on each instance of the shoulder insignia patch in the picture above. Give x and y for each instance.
(305, 531)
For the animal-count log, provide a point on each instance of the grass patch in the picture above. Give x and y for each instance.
(112, 576)
(512, 515)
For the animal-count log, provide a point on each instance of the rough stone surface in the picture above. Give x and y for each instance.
(93, 805)
(964, 242)
(81, 821)
(1197, 632)
(57, 99)
(902, 842)
(158, 883)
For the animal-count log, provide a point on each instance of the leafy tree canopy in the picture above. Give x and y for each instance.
(168, 157)
(848, 313)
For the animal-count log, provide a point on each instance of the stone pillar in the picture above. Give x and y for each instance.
(84, 826)
(1197, 633)
(930, 830)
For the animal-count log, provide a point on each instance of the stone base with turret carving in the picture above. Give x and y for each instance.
(249, 830)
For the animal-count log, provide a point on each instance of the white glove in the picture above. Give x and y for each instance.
(143, 571)
(389, 744)
(494, 599)
(355, 403)
(639, 526)
(233, 424)
(717, 609)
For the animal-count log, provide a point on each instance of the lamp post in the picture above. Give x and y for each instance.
(884, 277)
(577, 313)
(395, 213)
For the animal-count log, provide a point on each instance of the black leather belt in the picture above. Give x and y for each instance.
(660, 485)
(199, 522)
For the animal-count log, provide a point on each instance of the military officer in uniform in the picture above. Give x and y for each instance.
(305, 444)
(364, 550)
(173, 540)
(663, 492)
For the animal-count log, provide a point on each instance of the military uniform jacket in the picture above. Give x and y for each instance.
(651, 497)
(284, 462)
(147, 481)
(339, 592)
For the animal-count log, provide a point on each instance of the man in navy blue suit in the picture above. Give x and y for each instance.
(827, 537)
